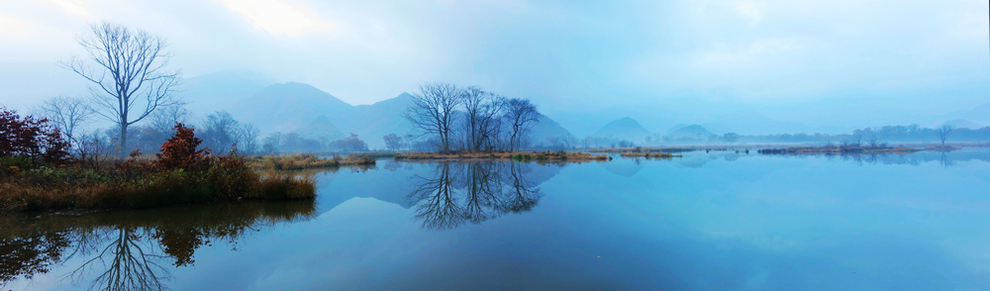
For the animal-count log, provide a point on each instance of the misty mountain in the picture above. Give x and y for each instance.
(321, 129)
(752, 122)
(315, 114)
(372, 122)
(693, 131)
(288, 107)
(623, 129)
(218, 91)
(547, 132)
(974, 118)
(962, 123)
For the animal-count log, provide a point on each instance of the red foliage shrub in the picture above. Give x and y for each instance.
(31, 137)
(179, 151)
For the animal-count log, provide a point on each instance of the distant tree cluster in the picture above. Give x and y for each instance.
(293, 142)
(453, 118)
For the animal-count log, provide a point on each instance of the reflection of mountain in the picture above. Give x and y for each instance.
(123, 250)
(623, 167)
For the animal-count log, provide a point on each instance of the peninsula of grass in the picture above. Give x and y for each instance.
(307, 161)
(649, 155)
(179, 175)
(546, 156)
(839, 150)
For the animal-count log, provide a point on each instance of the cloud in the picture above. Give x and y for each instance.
(278, 17)
(77, 8)
(14, 26)
(749, 9)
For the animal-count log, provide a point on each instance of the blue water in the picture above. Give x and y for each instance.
(709, 221)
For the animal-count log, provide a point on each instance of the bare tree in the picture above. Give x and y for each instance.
(943, 133)
(67, 113)
(248, 138)
(129, 76)
(432, 111)
(521, 115)
(482, 112)
(165, 118)
(220, 131)
(393, 142)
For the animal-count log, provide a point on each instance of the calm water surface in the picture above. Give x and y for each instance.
(716, 220)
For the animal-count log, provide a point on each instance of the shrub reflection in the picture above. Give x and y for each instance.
(127, 250)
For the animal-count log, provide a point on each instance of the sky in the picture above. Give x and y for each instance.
(828, 65)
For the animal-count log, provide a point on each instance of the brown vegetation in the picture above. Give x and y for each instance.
(301, 162)
(181, 175)
(647, 154)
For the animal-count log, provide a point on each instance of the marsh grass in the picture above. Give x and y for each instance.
(136, 183)
(307, 161)
(649, 155)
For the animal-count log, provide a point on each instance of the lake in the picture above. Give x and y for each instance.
(710, 221)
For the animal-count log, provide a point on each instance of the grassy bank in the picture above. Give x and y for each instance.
(140, 183)
(305, 161)
(837, 150)
(546, 156)
(647, 149)
(649, 155)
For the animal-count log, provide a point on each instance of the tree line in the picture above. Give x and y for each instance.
(452, 118)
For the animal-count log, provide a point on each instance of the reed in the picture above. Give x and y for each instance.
(29, 185)
(307, 161)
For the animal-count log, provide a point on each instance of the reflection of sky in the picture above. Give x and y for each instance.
(754, 223)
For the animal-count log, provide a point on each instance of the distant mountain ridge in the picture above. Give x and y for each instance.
(315, 114)
(624, 128)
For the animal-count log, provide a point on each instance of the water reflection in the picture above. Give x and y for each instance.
(128, 250)
(456, 193)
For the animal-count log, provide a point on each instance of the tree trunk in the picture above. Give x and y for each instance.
(123, 140)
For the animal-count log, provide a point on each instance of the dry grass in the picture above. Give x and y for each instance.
(648, 155)
(32, 186)
(301, 162)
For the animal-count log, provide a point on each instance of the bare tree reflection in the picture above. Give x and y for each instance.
(945, 161)
(127, 265)
(472, 192)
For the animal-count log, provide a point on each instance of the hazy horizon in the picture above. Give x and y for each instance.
(809, 65)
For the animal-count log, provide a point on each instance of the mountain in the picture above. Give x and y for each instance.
(372, 122)
(962, 123)
(321, 129)
(218, 91)
(315, 114)
(693, 131)
(980, 116)
(753, 122)
(548, 133)
(623, 129)
(288, 107)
